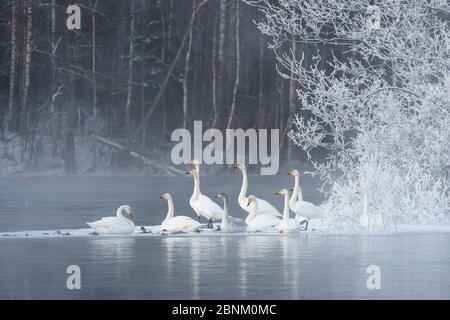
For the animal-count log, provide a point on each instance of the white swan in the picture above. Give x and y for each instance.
(303, 209)
(259, 221)
(287, 225)
(203, 205)
(264, 207)
(178, 223)
(230, 224)
(364, 219)
(115, 225)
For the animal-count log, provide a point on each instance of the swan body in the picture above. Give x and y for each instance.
(287, 225)
(207, 208)
(114, 225)
(264, 207)
(230, 224)
(201, 204)
(178, 223)
(304, 210)
(364, 219)
(260, 221)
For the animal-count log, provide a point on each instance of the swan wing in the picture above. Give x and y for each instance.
(181, 223)
(263, 221)
(112, 225)
(307, 209)
(233, 224)
(289, 225)
(236, 221)
(207, 208)
(264, 207)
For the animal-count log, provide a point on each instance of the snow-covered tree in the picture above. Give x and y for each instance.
(378, 104)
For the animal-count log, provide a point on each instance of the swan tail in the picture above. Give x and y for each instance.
(93, 225)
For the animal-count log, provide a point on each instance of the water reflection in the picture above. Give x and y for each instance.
(243, 252)
(228, 267)
(115, 255)
(213, 265)
(115, 248)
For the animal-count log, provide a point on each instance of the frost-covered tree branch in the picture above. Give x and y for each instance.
(379, 104)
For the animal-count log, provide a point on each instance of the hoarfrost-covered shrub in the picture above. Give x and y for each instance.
(378, 103)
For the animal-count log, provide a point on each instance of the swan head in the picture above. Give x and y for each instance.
(222, 195)
(283, 192)
(250, 200)
(191, 172)
(165, 196)
(194, 162)
(127, 209)
(294, 173)
(239, 166)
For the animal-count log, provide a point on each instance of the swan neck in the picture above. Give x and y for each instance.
(365, 204)
(196, 191)
(225, 208)
(298, 189)
(170, 209)
(120, 211)
(286, 208)
(244, 186)
(295, 191)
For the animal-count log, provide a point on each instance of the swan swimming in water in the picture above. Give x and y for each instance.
(178, 223)
(230, 224)
(304, 210)
(115, 225)
(264, 207)
(203, 205)
(259, 221)
(287, 225)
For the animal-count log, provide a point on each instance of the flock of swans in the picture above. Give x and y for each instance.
(261, 214)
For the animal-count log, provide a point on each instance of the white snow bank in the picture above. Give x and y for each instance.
(155, 231)
(140, 231)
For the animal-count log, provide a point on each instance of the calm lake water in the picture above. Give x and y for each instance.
(257, 266)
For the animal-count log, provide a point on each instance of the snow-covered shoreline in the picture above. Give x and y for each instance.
(155, 231)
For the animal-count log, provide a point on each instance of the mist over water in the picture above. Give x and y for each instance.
(44, 203)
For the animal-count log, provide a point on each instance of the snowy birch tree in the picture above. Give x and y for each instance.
(380, 108)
